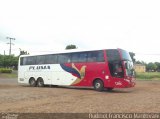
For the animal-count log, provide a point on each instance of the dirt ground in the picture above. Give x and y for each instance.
(144, 98)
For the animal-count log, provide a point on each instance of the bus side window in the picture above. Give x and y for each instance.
(40, 59)
(75, 57)
(51, 59)
(113, 55)
(24, 61)
(100, 56)
(95, 56)
(92, 56)
(31, 60)
(83, 57)
(21, 61)
(64, 58)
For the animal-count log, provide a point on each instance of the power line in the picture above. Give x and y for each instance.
(10, 43)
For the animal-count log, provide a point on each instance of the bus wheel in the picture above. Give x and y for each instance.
(32, 82)
(98, 85)
(40, 82)
(109, 89)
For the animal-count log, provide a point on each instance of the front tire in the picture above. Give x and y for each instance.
(32, 82)
(40, 82)
(98, 85)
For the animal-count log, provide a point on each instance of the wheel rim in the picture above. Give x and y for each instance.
(32, 82)
(98, 85)
(40, 83)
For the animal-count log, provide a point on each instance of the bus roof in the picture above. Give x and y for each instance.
(65, 51)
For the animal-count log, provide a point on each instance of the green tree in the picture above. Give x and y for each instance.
(132, 56)
(138, 62)
(8, 61)
(151, 66)
(71, 47)
(1, 60)
(158, 66)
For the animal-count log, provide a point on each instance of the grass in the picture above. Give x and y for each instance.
(148, 76)
(9, 75)
(139, 76)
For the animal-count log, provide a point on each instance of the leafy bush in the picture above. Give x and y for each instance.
(5, 70)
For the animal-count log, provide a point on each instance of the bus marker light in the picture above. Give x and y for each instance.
(107, 77)
(21, 79)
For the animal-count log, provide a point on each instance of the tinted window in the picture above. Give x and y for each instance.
(30, 60)
(40, 59)
(113, 55)
(83, 57)
(75, 57)
(64, 58)
(95, 56)
(100, 56)
(92, 56)
(23, 60)
(51, 59)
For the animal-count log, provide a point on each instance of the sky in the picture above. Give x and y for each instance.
(42, 26)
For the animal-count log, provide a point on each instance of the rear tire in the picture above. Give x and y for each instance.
(32, 82)
(40, 82)
(98, 85)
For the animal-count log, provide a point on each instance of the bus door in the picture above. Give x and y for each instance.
(116, 71)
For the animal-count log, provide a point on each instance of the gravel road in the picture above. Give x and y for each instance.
(144, 98)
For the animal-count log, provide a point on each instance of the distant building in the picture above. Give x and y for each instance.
(140, 68)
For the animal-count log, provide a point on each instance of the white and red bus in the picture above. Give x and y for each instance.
(108, 68)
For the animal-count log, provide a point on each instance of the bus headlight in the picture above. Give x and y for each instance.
(127, 80)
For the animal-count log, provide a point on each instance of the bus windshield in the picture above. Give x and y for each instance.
(115, 63)
(125, 55)
(127, 62)
(129, 68)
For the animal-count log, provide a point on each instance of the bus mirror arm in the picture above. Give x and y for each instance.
(126, 66)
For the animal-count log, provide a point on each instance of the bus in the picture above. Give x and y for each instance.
(101, 69)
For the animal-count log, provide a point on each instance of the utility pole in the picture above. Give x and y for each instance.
(10, 43)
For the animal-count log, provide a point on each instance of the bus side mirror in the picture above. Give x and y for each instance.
(126, 66)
